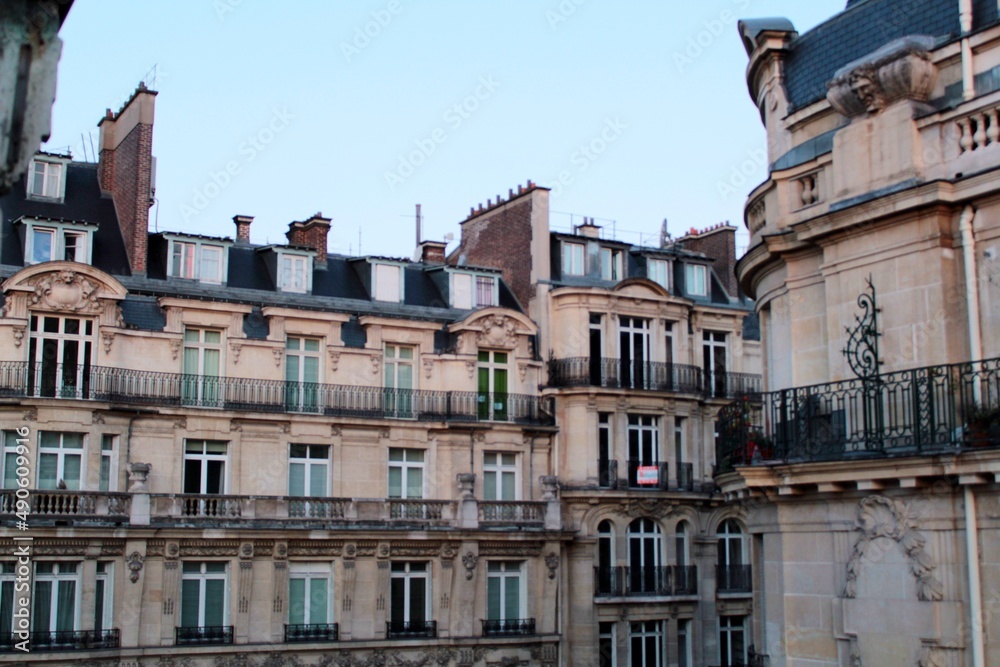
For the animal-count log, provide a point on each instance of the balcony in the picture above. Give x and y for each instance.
(650, 376)
(511, 512)
(313, 632)
(133, 387)
(648, 475)
(652, 581)
(411, 629)
(68, 640)
(204, 636)
(733, 579)
(62, 505)
(511, 627)
(931, 410)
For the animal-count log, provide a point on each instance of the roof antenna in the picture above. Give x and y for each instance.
(359, 240)
(419, 220)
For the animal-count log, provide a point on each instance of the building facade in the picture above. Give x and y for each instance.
(867, 467)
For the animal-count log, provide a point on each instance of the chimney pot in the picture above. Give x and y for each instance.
(242, 228)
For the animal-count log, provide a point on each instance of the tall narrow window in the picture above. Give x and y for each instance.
(597, 375)
(604, 454)
(308, 472)
(504, 597)
(573, 259)
(500, 476)
(714, 358)
(60, 460)
(732, 575)
(203, 597)
(658, 271)
(205, 467)
(399, 380)
(210, 267)
(695, 277)
(611, 264)
(409, 600)
(645, 557)
(684, 657)
(302, 374)
(606, 648)
(309, 598)
(108, 480)
(685, 471)
(643, 450)
(732, 643)
(406, 473)
(607, 579)
(633, 351)
(492, 385)
(103, 597)
(7, 582)
(183, 260)
(60, 350)
(681, 544)
(646, 644)
(56, 598)
(202, 367)
(485, 291)
(12, 444)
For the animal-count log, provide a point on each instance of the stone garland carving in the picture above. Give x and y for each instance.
(134, 561)
(884, 517)
(552, 562)
(469, 561)
(637, 508)
(65, 291)
(498, 331)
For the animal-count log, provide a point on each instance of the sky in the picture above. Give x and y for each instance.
(631, 111)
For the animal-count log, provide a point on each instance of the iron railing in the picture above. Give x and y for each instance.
(209, 634)
(312, 632)
(661, 474)
(650, 376)
(522, 627)
(931, 410)
(63, 640)
(607, 474)
(123, 385)
(733, 579)
(411, 629)
(660, 581)
(685, 477)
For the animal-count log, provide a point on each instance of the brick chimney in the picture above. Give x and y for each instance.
(126, 170)
(432, 252)
(719, 244)
(242, 228)
(312, 234)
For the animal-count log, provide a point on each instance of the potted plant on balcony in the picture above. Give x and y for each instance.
(982, 425)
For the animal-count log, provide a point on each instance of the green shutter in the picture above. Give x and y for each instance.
(318, 601)
(395, 482)
(493, 598)
(43, 606)
(512, 597)
(296, 601)
(190, 603)
(215, 602)
(296, 479)
(66, 611)
(317, 480)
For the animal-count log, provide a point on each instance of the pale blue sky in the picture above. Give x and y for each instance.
(312, 116)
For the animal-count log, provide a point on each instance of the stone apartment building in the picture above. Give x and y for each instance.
(868, 467)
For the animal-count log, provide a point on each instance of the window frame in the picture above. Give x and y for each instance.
(574, 258)
(197, 246)
(498, 469)
(498, 570)
(407, 575)
(58, 230)
(298, 279)
(108, 481)
(204, 456)
(56, 577)
(405, 465)
(309, 462)
(726, 631)
(59, 178)
(60, 452)
(311, 572)
(203, 578)
(377, 289)
(104, 602)
(665, 264)
(657, 632)
(612, 264)
(696, 275)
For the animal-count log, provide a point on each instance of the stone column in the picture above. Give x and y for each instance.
(140, 506)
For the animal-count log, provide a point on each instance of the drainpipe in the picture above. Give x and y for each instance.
(971, 287)
(965, 19)
(975, 598)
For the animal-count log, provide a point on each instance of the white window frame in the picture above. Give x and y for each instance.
(59, 232)
(641, 424)
(46, 367)
(405, 466)
(685, 654)
(494, 289)
(726, 536)
(298, 278)
(378, 290)
(574, 257)
(107, 578)
(611, 639)
(408, 575)
(53, 179)
(682, 543)
(196, 248)
(493, 465)
(660, 275)
(644, 632)
(310, 572)
(728, 628)
(61, 452)
(648, 531)
(459, 300)
(308, 462)
(203, 577)
(8, 579)
(56, 577)
(501, 570)
(14, 445)
(109, 458)
(696, 279)
(204, 456)
(612, 264)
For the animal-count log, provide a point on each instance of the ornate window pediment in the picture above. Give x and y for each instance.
(65, 288)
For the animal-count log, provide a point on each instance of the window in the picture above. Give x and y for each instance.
(646, 644)
(205, 466)
(47, 241)
(611, 264)
(406, 473)
(195, 260)
(302, 374)
(103, 597)
(597, 373)
(504, 595)
(203, 595)
(388, 282)
(573, 259)
(399, 363)
(732, 574)
(210, 269)
(500, 476)
(606, 645)
(643, 448)
(485, 291)
(294, 275)
(308, 470)
(684, 472)
(55, 602)
(202, 367)
(681, 544)
(182, 261)
(461, 291)
(409, 599)
(607, 581)
(732, 643)
(633, 351)
(714, 360)
(695, 277)
(60, 460)
(45, 180)
(492, 385)
(309, 598)
(684, 657)
(658, 270)
(14, 445)
(60, 350)
(7, 582)
(605, 476)
(668, 348)
(645, 557)
(108, 480)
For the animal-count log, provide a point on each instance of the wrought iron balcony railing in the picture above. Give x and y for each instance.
(931, 410)
(312, 632)
(206, 635)
(607, 474)
(685, 476)
(63, 640)
(509, 627)
(642, 479)
(733, 579)
(649, 376)
(411, 629)
(659, 581)
(123, 385)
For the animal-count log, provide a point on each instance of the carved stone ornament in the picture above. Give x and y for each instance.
(65, 291)
(236, 348)
(18, 335)
(649, 507)
(134, 561)
(498, 331)
(884, 517)
(469, 561)
(902, 69)
(552, 562)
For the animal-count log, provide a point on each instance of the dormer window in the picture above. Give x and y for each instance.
(696, 278)
(46, 179)
(611, 264)
(469, 290)
(573, 259)
(658, 270)
(197, 259)
(50, 240)
(387, 282)
(294, 275)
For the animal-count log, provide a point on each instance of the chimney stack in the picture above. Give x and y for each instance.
(312, 234)
(125, 170)
(589, 229)
(432, 252)
(242, 228)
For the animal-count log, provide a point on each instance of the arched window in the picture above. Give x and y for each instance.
(732, 575)
(681, 556)
(645, 557)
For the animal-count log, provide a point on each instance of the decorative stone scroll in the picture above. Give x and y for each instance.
(902, 69)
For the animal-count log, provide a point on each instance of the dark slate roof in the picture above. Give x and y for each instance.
(143, 312)
(861, 28)
(83, 202)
